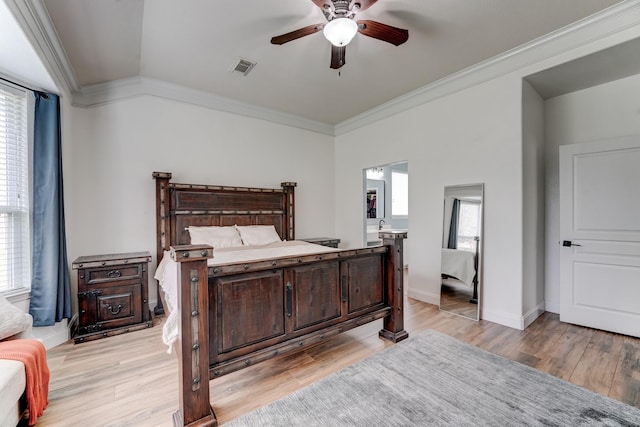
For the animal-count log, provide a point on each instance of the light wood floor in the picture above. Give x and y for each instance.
(455, 297)
(130, 380)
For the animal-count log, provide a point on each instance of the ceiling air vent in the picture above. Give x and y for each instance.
(243, 66)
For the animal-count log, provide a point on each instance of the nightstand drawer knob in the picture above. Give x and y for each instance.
(113, 274)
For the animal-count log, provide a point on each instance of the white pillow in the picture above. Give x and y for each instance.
(218, 237)
(258, 234)
(12, 319)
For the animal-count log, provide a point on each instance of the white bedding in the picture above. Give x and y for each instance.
(459, 264)
(167, 272)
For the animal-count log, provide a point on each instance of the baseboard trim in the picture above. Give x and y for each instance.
(551, 306)
(423, 296)
(502, 318)
(52, 336)
(532, 315)
(73, 325)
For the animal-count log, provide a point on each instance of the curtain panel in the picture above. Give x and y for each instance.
(50, 285)
(453, 228)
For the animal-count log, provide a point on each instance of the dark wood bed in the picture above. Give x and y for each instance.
(236, 315)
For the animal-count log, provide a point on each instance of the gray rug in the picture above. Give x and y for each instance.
(432, 379)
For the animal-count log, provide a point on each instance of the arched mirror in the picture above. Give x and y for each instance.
(462, 250)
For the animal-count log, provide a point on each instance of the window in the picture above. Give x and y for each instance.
(14, 190)
(399, 193)
(468, 225)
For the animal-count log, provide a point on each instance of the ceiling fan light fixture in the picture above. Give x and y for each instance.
(340, 31)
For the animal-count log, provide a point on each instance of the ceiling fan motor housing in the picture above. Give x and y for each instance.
(340, 9)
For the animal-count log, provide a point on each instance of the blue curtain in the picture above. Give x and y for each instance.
(50, 289)
(453, 228)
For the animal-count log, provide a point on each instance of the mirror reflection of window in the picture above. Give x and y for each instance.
(468, 225)
(399, 193)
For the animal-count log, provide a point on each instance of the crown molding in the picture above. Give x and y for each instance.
(104, 93)
(610, 21)
(33, 18)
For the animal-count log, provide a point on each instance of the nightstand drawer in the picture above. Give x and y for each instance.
(109, 308)
(113, 274)
(120, 305)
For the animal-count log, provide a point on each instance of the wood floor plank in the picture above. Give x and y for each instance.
(595, 370)
(626, 382)
(130, 380)
(541, 336)
(603, 353)
(562, 360)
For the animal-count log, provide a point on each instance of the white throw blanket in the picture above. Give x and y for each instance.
(167, 273)
(459, 264)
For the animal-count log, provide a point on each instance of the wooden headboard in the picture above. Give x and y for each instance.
(180, 205)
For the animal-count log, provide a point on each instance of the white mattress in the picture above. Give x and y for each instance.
(167, 272)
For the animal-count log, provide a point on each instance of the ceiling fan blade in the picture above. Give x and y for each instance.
(364, 4)
(284, 38)
(337, 56)
(321, 3)
(384, 32)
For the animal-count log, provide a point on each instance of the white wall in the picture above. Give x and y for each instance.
(533, 204)
(602, 112)
(481, 127)
(471, 136)
(111, 152)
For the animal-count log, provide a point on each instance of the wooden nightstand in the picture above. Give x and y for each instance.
(324, 241)
(112, 294)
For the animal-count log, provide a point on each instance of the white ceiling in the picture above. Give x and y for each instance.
(614, 63)
(18, 60)
(195, 43)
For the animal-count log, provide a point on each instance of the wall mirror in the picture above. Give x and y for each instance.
(386, 200)
(461, 260)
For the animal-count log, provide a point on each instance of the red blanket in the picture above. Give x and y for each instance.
(34, 357)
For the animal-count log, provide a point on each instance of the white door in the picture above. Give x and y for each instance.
(600, 232)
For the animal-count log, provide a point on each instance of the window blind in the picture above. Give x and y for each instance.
(14, 190)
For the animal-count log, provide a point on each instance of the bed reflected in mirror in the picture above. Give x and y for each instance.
(462, 250)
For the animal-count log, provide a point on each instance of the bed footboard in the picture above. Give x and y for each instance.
(300, 301)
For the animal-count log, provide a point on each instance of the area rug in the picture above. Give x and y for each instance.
(432, 379)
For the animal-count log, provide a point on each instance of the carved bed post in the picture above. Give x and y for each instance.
(193, 340)
(393, 328)
(163, 224)
(289, 193)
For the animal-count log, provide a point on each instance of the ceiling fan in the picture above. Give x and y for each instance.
(342, 27)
